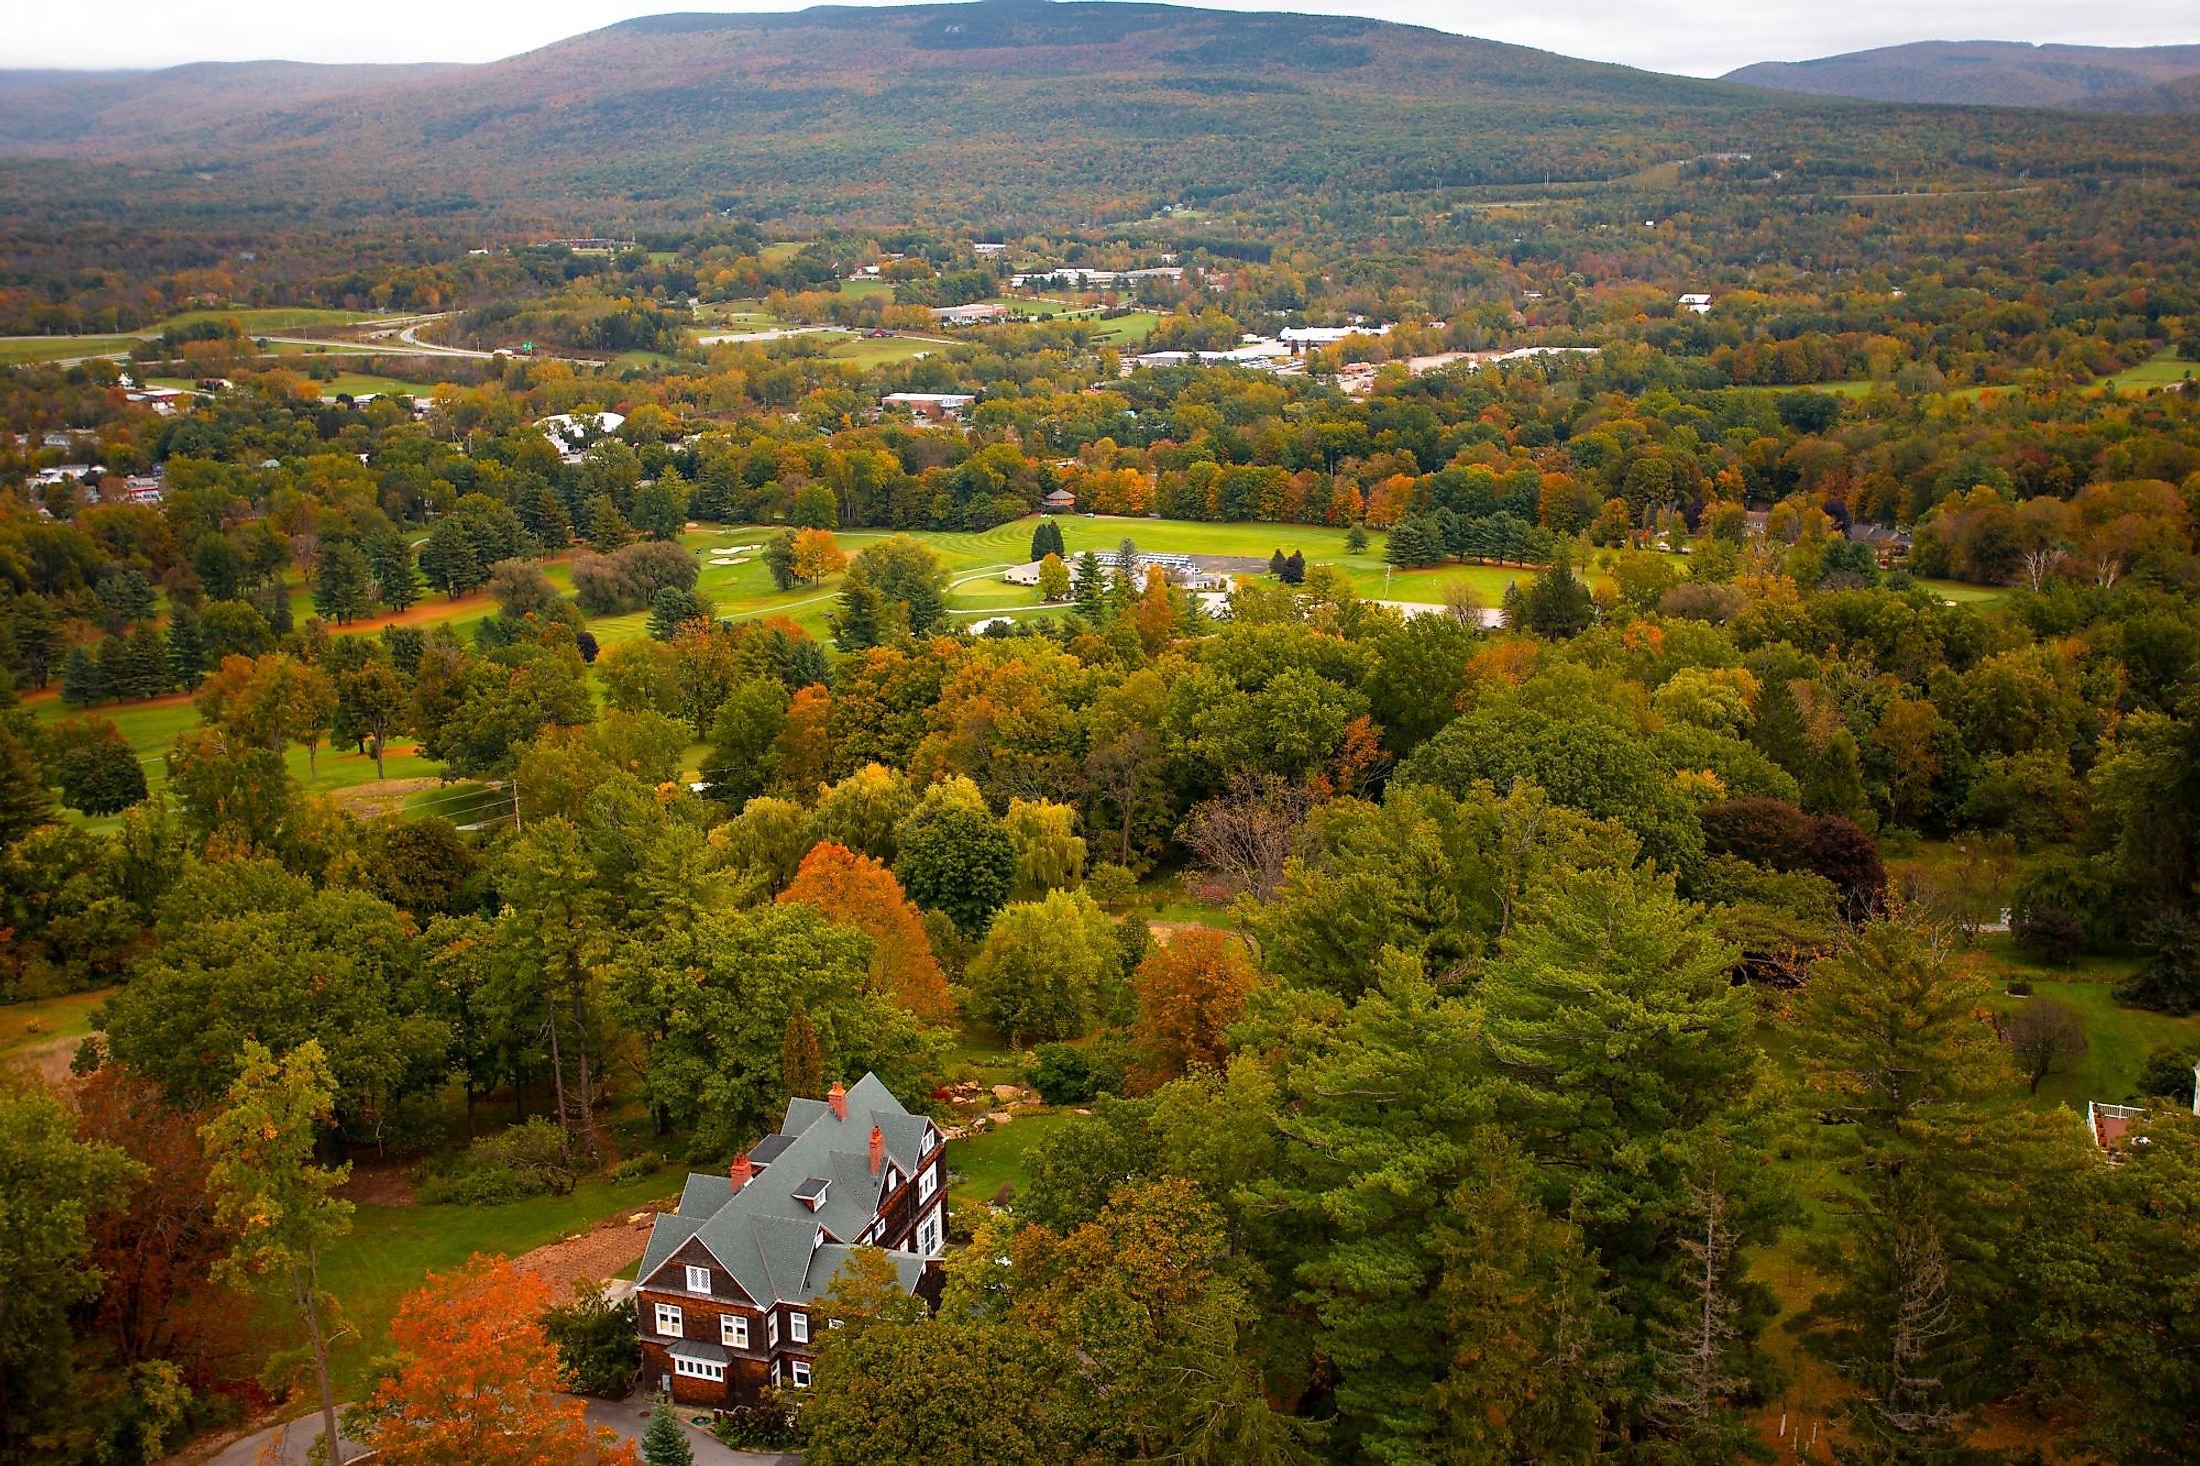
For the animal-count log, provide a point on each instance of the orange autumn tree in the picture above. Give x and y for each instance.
(476, 1380)
(854, 890)
(1190, 990)
(817, 554)
(803, 751)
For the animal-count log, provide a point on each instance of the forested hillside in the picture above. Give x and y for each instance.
(1004, 110)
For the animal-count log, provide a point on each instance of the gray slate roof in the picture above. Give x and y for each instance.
(775, 1246)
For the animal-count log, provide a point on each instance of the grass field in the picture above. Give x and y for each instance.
(24, 350)
(868, 351)
(2161, 370)
(1962, 591)
(42, 1020)
(258, 320)
(982, 1162)
(389, 1248)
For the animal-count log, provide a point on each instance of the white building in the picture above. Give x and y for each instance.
(1326, 335)
(1698, 302)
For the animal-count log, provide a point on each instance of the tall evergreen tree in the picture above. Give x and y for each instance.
(186, 649)
(84, 681)
(390, 559)
(25, 801)
(1897, 1051)
(343, 585)
(1046, 540)
(148, 661)
(1089, 587)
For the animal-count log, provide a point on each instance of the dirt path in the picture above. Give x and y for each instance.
(595, 1256)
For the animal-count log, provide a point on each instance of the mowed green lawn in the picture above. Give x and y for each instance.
(980, 1163)
(391, 1248)
(258, 320)
(42, 1020)
(2163, 369)
(23, 350)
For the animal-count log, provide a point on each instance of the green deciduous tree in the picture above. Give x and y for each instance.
(51, 1186)
(1047, 970)
(265, 1182)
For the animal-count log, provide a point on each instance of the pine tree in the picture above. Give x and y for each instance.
(1910, 1077)
(1275, 563)
(84, 680)
(1089, 587)
(25, 802)
(663, 1442)
(113, 655)
(862, 619)
(186, 649)
(396, 583)
(1294, 569)
(448, 559)
(1778, 729)
(1355, 540)
(607, 527)
(148, 661)
(1046, 540)
(801, 1059)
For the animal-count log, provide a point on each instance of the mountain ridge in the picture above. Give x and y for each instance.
(990, 109)
(1989, 73)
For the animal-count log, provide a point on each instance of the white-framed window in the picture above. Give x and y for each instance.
(733, 1331)
(798, 1328)
(775, 1374)
(834, 1323)
(771, 1330)
(668, 1320)
(928, 1181)
(928, 1235)
(698, 1369)
(799, 1371)
(698, 1279)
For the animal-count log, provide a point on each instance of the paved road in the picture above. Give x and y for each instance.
(628, 1417)
(298, 1437)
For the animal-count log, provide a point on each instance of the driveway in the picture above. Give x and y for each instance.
(299, 1436)
(630, 1417)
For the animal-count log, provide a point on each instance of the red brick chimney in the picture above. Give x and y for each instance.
(837, 1097)
(878, 1149)
(742, 1170)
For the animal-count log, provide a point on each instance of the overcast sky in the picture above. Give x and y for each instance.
(1698, 37)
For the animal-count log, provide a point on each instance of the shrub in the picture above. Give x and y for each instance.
(634, 1167)
(2166, 1074)
(1062, 1074)
(598, 1351)
(768, 1425)
(628, 579)
(526, 1160)
(2020, 987)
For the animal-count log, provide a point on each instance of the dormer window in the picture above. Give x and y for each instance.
(811, 1193)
